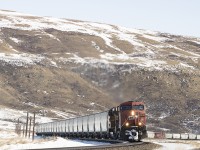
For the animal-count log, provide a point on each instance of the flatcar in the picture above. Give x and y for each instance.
(126, 122)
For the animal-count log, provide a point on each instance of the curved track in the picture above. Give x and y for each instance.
(114, 144)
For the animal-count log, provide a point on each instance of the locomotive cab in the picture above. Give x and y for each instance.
(132, 120)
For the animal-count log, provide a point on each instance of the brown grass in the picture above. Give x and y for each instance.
(150, 41)
(4, 47)
(177, 51)
(30, 17)
(123, 45)
(22, 25)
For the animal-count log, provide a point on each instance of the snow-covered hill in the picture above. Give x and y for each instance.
(119, 45)
(80, 67)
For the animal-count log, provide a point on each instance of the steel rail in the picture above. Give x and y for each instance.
(118, 144)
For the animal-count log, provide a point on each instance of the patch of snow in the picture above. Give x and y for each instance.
(136, 31)
(20, 59)
(31, 104)
(11, 114)
(92, 104)
(10, 117)
(173, 144)
(186, 66)
(102, 27)
(163, 129)
(53, 63)
(12, 48)
(155, 38)
(15, 40)
(90, 110)
(7, 135)
(164, 115)
(6, 125)
(41, 119)
(131, 39)
(109, 59)
(52, 143)
(51, 36)
(62, 114)
(108, 41)
(45, 92)
(116, 84)
(109, 56)
(197, 42)
(189, 52)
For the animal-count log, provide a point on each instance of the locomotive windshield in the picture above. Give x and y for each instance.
(134, 107)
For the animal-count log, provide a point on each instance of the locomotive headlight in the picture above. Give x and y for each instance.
(132, 113)
(127, 124)
(140, 123)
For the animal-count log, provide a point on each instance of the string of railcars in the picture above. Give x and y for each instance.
(126, 122)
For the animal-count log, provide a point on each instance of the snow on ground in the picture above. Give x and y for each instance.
(8, 117)
(15, 40)
(20, 59)
(7, 125)
(8, 134)
(197, 42)
(11, 114)
(175, 144)
(8, 121)
(50, 143)
(10, 140)
(64, 115)
(159, 39)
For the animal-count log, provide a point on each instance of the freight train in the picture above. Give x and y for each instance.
(125, 122)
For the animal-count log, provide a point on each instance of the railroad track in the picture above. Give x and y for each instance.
(114, 144)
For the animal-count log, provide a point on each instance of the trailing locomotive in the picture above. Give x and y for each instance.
(126, 122)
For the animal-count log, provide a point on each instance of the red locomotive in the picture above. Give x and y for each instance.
(125, 122)
(129, 121)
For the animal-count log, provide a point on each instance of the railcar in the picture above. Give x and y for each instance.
(126, 122)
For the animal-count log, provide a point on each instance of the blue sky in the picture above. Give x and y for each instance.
(172, 16)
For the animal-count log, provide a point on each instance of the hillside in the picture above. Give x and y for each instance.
(82, 67)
